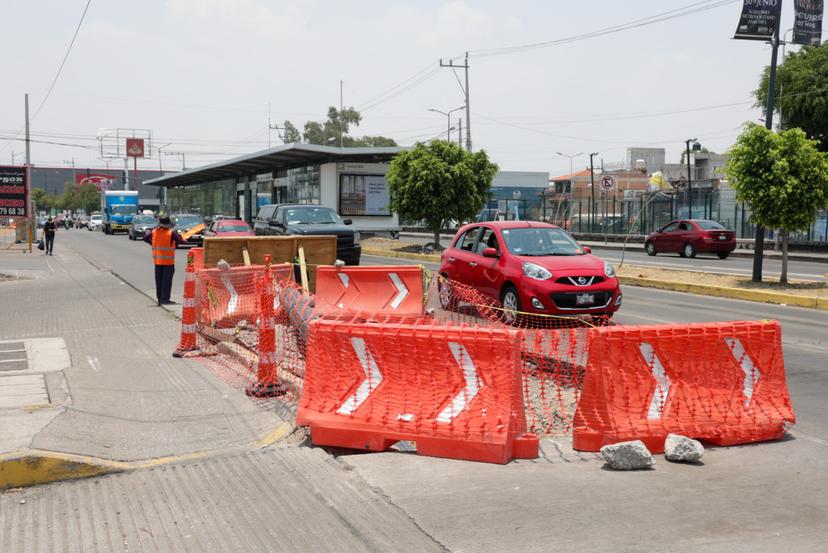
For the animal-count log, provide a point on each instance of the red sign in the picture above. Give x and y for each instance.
(14, 195)
(102, 182)
(135, 147)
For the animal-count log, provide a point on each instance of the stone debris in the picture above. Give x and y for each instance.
(681, 449)
(628, 456)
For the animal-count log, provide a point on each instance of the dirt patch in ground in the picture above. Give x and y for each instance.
(6, 278)
(796, 287)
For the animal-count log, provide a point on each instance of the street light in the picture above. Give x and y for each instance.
(159, 148)
(696, 148)
(448, 119)
(571, 178)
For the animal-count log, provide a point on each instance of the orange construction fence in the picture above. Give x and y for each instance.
(720, 382)
(396, 290)
(455, 392)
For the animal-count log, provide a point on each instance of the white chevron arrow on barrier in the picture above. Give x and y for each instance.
(662, 389)
(402, 290)
(747, 366)
(469, 391)
(373, 378)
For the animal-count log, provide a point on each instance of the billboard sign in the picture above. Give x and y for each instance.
(14, 193)
(135, 147)
(758, 19)
(808, 22)
(102, 182)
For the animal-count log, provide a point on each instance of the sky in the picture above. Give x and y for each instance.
(204, 76)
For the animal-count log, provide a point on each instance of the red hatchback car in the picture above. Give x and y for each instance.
(531, 267)
(687, 237)
(228, 227)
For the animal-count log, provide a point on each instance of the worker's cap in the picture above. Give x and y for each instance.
(165, 222)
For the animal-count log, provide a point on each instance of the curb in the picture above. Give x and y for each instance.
(759, 296)
(36, 467)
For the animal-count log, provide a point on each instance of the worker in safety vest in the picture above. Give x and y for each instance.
(164, 240)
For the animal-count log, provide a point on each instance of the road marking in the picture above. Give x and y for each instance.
(662, 389)
(747, 366)
(469, 391)
(373, 378)
(402, 291)
(94, 363)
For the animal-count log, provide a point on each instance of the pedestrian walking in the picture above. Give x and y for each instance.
(49, 228)
(164, 240)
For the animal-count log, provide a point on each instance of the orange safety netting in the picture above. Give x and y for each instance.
(260, 323)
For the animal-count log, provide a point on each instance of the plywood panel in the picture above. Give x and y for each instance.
(282, 249)
(228, 249)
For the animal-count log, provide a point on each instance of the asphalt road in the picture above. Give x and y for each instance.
(771, 267)
(805, 331)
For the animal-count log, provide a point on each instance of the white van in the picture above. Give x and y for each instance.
(95, 222)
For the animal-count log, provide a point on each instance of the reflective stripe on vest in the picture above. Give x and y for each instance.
(163, 247)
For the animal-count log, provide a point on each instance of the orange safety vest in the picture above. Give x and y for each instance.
(163, 246)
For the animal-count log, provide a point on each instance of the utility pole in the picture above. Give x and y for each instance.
(341, 115)
(759, 242)
(465, 90)
(28, 149)
(689, 179)
(592, 192)
(460, 131)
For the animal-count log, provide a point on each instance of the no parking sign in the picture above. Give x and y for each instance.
(607, 182)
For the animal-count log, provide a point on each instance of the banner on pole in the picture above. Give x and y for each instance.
(758, 19)
(14, 192)
(808, 22)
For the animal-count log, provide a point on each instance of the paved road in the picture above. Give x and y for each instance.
(771, 268)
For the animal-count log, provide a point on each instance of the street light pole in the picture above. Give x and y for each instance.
(571, 173)
(448, 119)
(592, 191)
(689, 180)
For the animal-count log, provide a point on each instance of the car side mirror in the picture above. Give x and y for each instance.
(587, 249)
(275, 224)
(347, 222)
(491, 252)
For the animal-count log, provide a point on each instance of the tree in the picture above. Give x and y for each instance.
(327, 133)
(801, 99)
(782, 177)
(89, 197)
(292, 134)
(438, 182)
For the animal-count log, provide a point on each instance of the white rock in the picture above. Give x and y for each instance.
(682, 449)
(628, 456)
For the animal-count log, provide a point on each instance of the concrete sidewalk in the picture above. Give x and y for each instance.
(120, 396)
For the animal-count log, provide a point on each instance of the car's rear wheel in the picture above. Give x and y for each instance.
(651, 249)
(688, 250)
(444, 291)
(510, 301)
(723, 255)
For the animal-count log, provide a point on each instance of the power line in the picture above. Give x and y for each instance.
(691, 9)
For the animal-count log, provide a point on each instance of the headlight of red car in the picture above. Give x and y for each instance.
(536, 271)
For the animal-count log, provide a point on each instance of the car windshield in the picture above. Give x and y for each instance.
(97, 218)
(143, 220)
(187, 220)
(124, 209)
(710, 225)
(540, 241)
(233, 228)
(312, 216)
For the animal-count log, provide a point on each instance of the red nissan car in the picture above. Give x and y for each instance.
(687, 237)
(228, 227)
(531, 267)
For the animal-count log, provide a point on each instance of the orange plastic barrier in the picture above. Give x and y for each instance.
(719, 382)
(395, 290)
(198, 258)
(187, 343)
(455, 391)
(230, 295)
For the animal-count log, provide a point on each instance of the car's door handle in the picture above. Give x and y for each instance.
(451, 260)
(472, 264)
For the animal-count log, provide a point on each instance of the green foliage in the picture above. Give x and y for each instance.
(44, 200)
(438, 182)
(327, 133)
(782, 177)
(801, 97)
(292, 134)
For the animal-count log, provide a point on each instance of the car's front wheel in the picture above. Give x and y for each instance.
(689, 250)
(510, 301)
(444, 290)
(651, 249)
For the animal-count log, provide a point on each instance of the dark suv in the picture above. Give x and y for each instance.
(278, 220)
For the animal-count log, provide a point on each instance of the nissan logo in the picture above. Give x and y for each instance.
(582, 280)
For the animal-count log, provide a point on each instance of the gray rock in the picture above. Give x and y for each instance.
(681, 449)
(628, 456)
